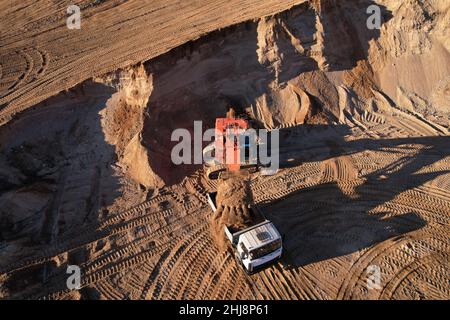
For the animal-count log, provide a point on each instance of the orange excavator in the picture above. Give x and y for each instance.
(226, 148)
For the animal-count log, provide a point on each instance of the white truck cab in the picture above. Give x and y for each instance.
(256, 246)
(260, 246)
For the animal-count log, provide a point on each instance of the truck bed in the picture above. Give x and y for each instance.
(256, 214)
(257, 219)
(233, 232)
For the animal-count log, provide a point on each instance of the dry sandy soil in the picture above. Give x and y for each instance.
(86, 118)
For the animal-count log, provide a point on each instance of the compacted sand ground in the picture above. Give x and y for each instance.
(86, 176)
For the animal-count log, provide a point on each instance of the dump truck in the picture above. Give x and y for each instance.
(256, 246)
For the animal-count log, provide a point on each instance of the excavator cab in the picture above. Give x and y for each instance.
(227, 148)
(227, 144)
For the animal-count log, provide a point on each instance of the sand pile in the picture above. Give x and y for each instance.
(122, 122)
(234, 197)
(411, 58)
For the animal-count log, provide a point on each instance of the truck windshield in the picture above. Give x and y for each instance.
(266, 249)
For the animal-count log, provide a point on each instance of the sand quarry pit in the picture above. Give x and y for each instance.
(86, 176)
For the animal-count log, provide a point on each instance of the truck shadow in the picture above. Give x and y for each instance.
(337, 218)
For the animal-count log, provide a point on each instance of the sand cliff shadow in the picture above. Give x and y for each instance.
(63, 182)
(337, 218)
